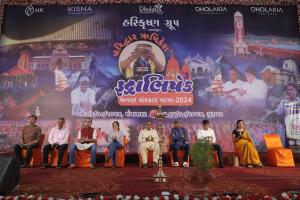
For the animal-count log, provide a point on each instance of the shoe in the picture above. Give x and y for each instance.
(92, 166)
(249, 166)
(154, 164)
(175, 164)
(72, 166)
(58, 167)
(185, 164)
(145, 166)
(44, 166)
(26, 166)
(221, 165)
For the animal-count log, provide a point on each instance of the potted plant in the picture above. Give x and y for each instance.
(200, 174)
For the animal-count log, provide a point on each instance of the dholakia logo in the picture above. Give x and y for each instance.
(210, 9)
(156, 9)
(262, 10)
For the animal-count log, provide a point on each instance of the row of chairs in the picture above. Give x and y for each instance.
(277, 155)
(82, 158)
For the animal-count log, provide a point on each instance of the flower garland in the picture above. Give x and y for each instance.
(291, 195)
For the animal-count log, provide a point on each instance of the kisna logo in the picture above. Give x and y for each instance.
(156, 9)
(210, 9)
(262, 10)
(29, 10)
(77, 10)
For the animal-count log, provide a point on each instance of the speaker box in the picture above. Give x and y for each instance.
(9, 174)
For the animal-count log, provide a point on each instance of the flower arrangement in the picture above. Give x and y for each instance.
(291, 195)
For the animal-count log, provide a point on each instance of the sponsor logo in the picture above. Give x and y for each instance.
(211, 9)
(79, 10)
(30, 10)
(156, 9)
(261, 10)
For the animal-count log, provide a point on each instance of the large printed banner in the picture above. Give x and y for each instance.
(120, 62)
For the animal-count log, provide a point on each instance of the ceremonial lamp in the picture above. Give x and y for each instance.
(160, 177)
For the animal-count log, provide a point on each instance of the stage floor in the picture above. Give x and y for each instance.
(134, 180)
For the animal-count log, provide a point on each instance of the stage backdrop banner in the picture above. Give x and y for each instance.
(120, 62)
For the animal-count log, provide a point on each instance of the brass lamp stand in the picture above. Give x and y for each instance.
(160, 177)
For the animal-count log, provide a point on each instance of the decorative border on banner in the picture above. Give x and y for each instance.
(4, 3)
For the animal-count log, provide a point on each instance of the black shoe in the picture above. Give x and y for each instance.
(25, 165)
(58, 167)
(154, 164)
(221, 165)
(145, 166)
(44, 166)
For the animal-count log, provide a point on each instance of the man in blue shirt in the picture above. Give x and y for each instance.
(180, 140)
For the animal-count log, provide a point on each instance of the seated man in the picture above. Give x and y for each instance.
(148, 140)
(30, 138)
(87, 138)
(208, 134)
(57, 139)
(179, 140)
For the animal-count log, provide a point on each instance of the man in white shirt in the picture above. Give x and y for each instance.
(254, 91)
(231, 87)
(83, 98)
(148, 139)
(57, 139)
(208, 134)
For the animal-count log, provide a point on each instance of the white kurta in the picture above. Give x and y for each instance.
(256, 93)
(87, 98)
(228, 86)
(148, 145)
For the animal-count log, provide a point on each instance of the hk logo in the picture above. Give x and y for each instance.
(29, 10)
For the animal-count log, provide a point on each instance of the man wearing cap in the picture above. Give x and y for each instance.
(179, 140)
(254, 92)
(82, 98)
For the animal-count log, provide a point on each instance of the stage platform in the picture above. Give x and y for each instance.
(134, 180)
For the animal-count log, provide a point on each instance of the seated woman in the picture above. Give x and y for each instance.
(115, 142)
(244, 146)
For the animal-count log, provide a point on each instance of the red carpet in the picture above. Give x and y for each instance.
(134, 180)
